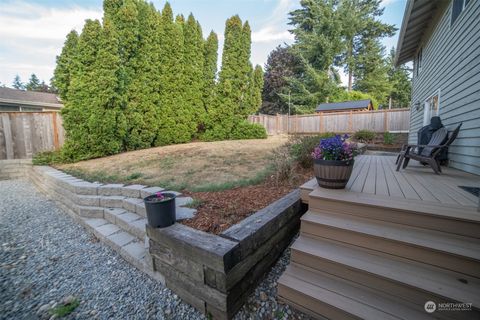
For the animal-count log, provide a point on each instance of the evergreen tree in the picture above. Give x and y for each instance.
(401, 83)
(106, 123)
(194, 68)
(359, 26)
(257, 87)
(141, 111)
(81, 99)
(33, 83)
(210, 56)
(371, 73)
(17, 83)
(62, 74)
(177, 123)
(317, 31)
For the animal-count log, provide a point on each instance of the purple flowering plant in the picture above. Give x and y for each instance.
(335, 148)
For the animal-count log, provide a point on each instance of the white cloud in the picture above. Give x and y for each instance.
(275, 28)
(387, 2)
(32, 35)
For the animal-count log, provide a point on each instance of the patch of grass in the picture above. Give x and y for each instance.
(134, 176)
(93, 176)
(47, 158)
(171, 184)
(213, 187)
(64, 310)
(194, 204)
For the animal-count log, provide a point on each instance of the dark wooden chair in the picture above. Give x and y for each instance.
(429, 152)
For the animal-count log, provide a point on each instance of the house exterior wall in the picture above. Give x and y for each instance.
(451, 66)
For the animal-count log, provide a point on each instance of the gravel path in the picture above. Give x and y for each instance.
(47, 259)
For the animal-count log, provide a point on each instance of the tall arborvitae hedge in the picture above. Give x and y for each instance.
(63, 72)
(141, 79)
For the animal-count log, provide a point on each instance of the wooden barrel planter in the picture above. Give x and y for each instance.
(332, 174)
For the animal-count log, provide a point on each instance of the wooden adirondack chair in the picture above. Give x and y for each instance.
(430, 151)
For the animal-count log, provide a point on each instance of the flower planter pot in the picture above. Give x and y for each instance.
(332, 174)
(160, 214)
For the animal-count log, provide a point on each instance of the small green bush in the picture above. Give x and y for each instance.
(388, 138)
(246, 130)
(283, 164)
(47, 158)
(364, 135)
(301, 148)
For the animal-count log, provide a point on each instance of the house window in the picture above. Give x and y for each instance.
(431, 108)
(457, 7)
(419, 61)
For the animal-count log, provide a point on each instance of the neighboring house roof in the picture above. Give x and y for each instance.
(29, 98)
(416, 20)
(357, 104)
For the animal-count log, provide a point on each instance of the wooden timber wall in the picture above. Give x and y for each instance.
(23, 134)
(394, 120)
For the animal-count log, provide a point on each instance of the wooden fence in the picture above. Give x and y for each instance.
(394, 120)
(22, 134)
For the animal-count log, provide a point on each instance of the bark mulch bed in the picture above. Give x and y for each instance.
(219, 210)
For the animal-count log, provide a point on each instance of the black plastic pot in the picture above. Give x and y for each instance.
(160, 214)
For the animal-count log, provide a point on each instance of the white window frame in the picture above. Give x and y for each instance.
(426, 108)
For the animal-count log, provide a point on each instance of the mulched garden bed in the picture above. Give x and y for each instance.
(220, 210)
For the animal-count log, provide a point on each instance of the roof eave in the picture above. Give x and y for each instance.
(406, 17)
(32, 103)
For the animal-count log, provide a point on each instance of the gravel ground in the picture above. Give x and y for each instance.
(48, 260)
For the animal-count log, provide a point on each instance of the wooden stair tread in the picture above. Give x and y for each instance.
(437, 240)
(444, 210)
(428, 278)
(344, 295)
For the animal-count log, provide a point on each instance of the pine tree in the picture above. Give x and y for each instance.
(210, 56)
(194, 68)
(359, 25)
(33, 83)
(371, 71)
(17, 83)
(399, 77)
(63, 70)
(80, 102)
(176, 123)
(257, 88)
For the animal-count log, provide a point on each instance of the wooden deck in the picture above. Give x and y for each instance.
(386, 244)
(375, 177)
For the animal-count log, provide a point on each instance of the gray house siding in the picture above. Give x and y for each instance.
(451, 65)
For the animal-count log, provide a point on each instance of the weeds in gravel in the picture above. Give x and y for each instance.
(65, 309)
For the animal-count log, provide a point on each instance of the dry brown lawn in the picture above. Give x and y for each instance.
(190, 166)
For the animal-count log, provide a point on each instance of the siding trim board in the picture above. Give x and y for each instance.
(451, 65)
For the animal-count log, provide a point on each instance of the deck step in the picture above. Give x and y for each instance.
(464, 221)
(410, 280)
(324, 296)
(445, 250)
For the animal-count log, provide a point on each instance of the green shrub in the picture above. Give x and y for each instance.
(364, 135)
(47, 158)
(301, 148)
(246, 130)
(388, 138)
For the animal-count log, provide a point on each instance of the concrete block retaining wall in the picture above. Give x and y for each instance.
(213, 273)
(216, 273)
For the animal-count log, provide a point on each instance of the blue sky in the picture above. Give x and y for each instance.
(32, 31)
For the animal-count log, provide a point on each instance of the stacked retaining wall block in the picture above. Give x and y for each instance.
(217, 273)
(115, 213)
(14, 169)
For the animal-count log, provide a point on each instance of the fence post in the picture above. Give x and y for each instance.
(385, 120)
(321, 122)
(56, 144)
